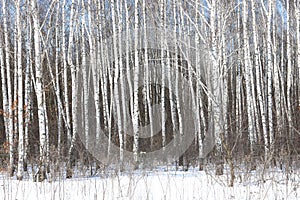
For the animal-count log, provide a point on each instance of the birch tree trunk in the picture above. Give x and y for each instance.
(73, 82)
(28, 86)
(117, 61)
(277, 74)
(4, 93)
(163, 71)
(238, 107)
(93, 65)
(128, 68)
(85, 70)
(65, 73)
(39, 90)
(103, 72)
(135, 116)
(297, 12)
(248, 77)
(57, 84)
(199, 102)
(20, 95)
(177, 87)
(4, 83)
(215, 88)
(289, 75)
(269, 141)
(122, 134)
(275, 82)
(176, 121)
(10, 127)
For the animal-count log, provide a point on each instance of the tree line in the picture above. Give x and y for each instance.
(240, 59)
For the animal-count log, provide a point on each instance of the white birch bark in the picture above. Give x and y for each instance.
(223, 74)
(65, 73)
(289, 76)
(270, 77)
(122, 71)
(47, 145)
(85, 70)
(93, 65)
(99, 63)
(147, 76)
(163, 71)
(20, 169)
(297, 13)
(73, 77)
(39, 86)
(15, 81)
(28, 86)
(214, 81)
(74, 104)
(199, 105)
(248, 72)
(103, 71)
(282, 60)
(116, 100)
(9, 89)
(128, 43)
(175, 65)
(135, 116)
(277, 74)
(261, 104)
(57, 84)
(238, 107)
(4, 92)
(106, 78)
(177, 87)
(169, 73)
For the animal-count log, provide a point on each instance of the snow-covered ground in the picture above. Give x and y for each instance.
(156, 184)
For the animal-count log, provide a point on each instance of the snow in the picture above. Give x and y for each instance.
(159, 184)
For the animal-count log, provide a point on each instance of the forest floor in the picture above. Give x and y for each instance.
(159, 183)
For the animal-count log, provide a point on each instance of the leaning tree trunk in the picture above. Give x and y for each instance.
(39, 92)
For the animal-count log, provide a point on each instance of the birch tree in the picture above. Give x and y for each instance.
(289, 75)
(57, 84)
(93, 64)
(10, 128)
(163, 70)
(270, 78)
(135, 116)
(128, 42)
(248, 77)
(122, 139)
(28, 85)
(39, 88)
(117, 61)
(65, 72)
(297, 13)
(70, 62)
(4, 92)
(20, 94)
(199, 103)
(214, 86)
(85, 71)
(277, 78)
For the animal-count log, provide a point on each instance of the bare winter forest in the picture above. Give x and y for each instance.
(148, 83)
